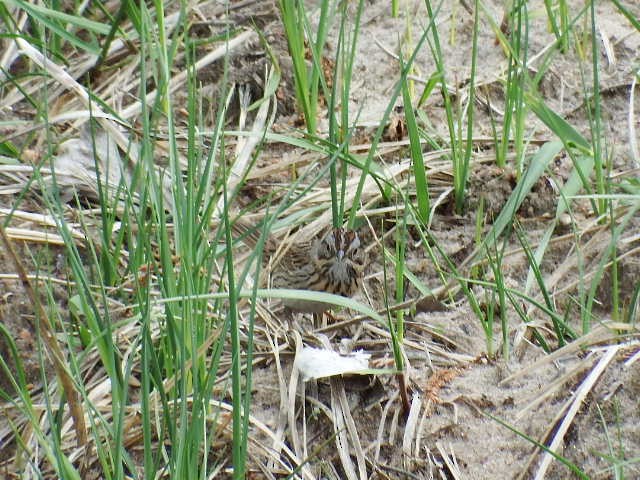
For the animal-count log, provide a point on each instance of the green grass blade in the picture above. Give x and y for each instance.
(51, 18)
(572, 467)
(559, 126)
(419, 170)
(629, 16)
(537, 166)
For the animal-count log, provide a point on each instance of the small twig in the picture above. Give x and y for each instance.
(402, 386)
(52, 345)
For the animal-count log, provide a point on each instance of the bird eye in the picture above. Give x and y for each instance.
(357, 256)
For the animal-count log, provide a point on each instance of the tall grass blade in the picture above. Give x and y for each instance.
(419, 170)
(537, 165)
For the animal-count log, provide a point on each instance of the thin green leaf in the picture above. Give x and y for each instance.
(537, 165)
(558, 125)
(573, 468)
(419, 171)
(630, 16)
(48, 17)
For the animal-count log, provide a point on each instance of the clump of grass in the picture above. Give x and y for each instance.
(302, 39)
(160, 222)
(156, 297)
